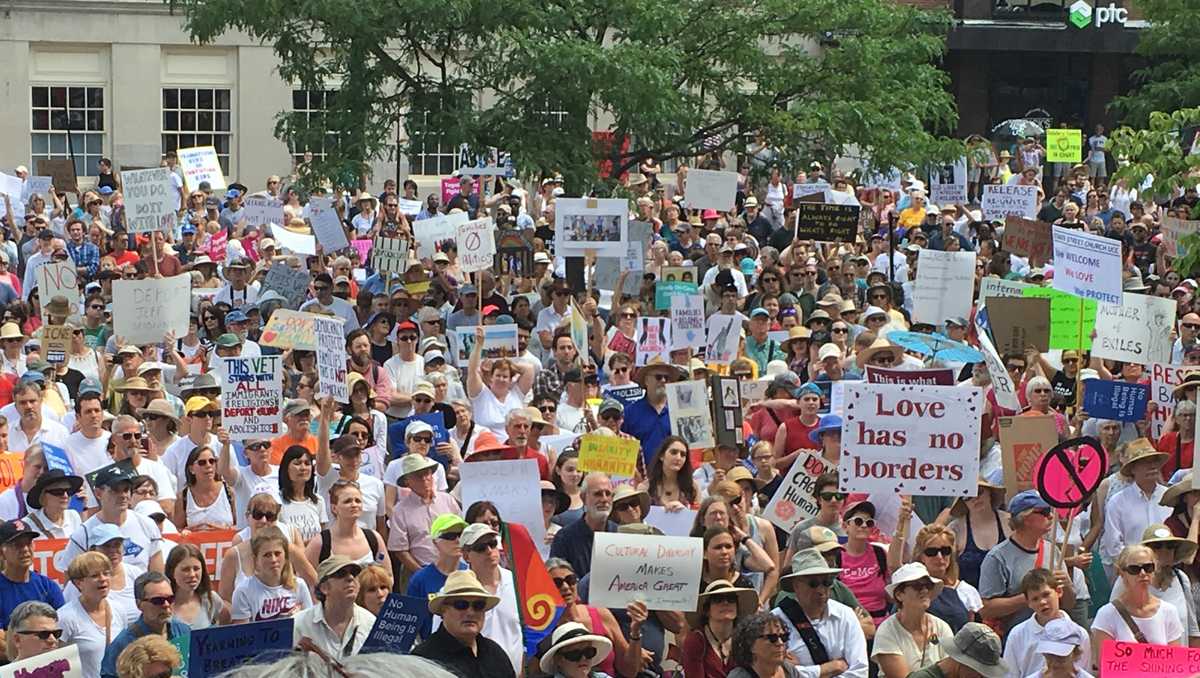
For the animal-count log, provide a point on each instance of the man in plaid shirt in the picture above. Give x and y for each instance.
(85, 254)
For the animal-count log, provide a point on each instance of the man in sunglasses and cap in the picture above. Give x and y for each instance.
(113, 488)
(821, 632)
(459, 643)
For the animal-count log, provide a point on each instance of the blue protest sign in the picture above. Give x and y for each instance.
(1117, 400)
(218, 649)
(56, 458)
(396, 438)
(397, 624)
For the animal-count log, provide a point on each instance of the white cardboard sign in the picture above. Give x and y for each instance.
(945, 285)
(1087, 265)
(149, 200)
(61, 663)
(430, 233)
(252, 396)
(662, 572)
(200, 164)
(58, 279)
(145, 310)
(948, 183)
(513, 486)
(999, 201)
(331, 357)
(687, 321)
(711, 189)
(476, 245)
(263, 210)
(794, 501)
(1137, 331)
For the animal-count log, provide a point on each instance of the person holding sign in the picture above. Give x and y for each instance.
(494, 392)
(335, 624)
(458, 643)
(1136, 615)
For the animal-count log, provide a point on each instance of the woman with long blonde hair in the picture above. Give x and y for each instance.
(273, 591)
(958, 602)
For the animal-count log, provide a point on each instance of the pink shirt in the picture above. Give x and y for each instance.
(861, 575)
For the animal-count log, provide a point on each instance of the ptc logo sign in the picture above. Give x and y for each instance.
(1081, 14)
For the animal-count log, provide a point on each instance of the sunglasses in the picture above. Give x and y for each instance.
(611, 416)
(833, 496)
(206, 462)
(576, 655)
(776, 638)
(934, 551)
(859, 521)
(263, 515)
(257, 446)
(464, 605)
(44, 635)
(922, 585)
(628, 315)
(840, 330)
(57, 491)
(202, 414)
(569, 580)
(819, 582)
(160, 601)
(724, 598)
(407, 337)
(1191, 326)
(1014, 368)
(1136, 569)
(450, 536)
(547, 408)
(485, 547)
(625, 506)
(422, 439)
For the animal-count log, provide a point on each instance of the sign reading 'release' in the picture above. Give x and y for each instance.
(149, 200)
(662, 572)
(918, 440)
(999, 201)
(1087, 265)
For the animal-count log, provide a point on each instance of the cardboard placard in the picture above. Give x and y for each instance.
(1087, 265)
(1000, 200)
(941, 376)
(1018, 324)
(1119, 659)
(672, 281)
(290, 329)
(145, 310)
(826, 222)
(1164, 378)
(331, 357)
(945, 286)
(917, 440)
(514, 486)
(992, 286)
(12, 468)
(1002, 384)
(723, 336)
(58, 279)
(690, 417)
(263, 210)
(514, 253)
(948, 183)
(1117, 400)
(397, 624)
(687, 321)
(812, 189)
(252, 396)
(1066, 329)
(56, 343)
(290, 283)
(794, 501)
(662, 572)
(61, 172)
(432, 234)
(476, 245)
(149, 200)
(1027, 238)
(584, 225)
(326, 225)
(389, 255)
(1137, 331)
(609, 454)
(200, 164)
(219, 649)
(726, 410)
(1173, 230)
(711, 189)
(1023, 441)
(653, 338)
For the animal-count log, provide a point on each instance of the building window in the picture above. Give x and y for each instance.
(433, 152)
(197, 116)
(77, 108)
(308, 107)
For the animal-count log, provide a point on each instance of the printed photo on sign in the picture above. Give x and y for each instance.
(434, 234)
(653, 338)
(587, 224)
(948, 183)
(499, 341)
(691, 418)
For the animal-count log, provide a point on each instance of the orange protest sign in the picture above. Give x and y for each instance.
(12, 467)
(212, 543)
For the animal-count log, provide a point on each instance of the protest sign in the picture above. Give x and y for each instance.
(331, 357)
(723, 336)
(673, 280)
(687, 321)
(1023, 440)
(35, 185)
(263, 210)
(609, 454)
(653, 338)
(362, 246)
(754, 391)
(1087, 265)
(432, 234)
(12, 187)
(942, 376)
(1002, 385)
(662, 572)
(918, 440)
(326, 224)
(409, 207)
(726, 410)
(12, 468)
(1018, 323)
(56, 343)
(58, 279)
(811, 189)
(795, 500)
(1164, 377)
(711, 189)
(1027, 238)
(1120, 659)
(1173, 229)
(514, 486)
(672, 523)
(298, 243)
(992, 286)
(476, 245)
(288, 282)
(61, 172)
(145, 310)
(450, 188)
(944, 287)
(290, 329)
(583, 225)
(61, 663)
(251, 396)
(218, 649)
(1064, 145)
(948, 183)
(1137, 331)
(1117, 400)
(436, 421)
(200, 164)
(219, 241)
(1068, 473)
(499, 341)
(1069, 328)
(397, 624)
(690, 417)
(1001, 200)
(389, 255)
(826, 222)
(149, 200)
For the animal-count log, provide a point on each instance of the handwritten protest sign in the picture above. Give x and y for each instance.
(390, 255)
(1064, 145)
(218, 649)
(299, 243)
(61, 663)
(326, 224)
(1002, 384)
(1087, 265)
(1027, 238)
(653, 338)
(1068, 330)
(826, 222)
(687, 321)
(498, 341)
(608, 454)
(288, 282)
(1118, 400)
(200, 164)
(711, 189)
(145, 310)
(432, 234)
(61, 171)
(811, 189)
(56, 343)
(513, 486)
(999, 287)
(1119, 659)
(362, 246)
(795, 500)
(1164, 377)
(58, 279)
(476, 245)
(724, 335)
(1137, 331)
(1001, 200)
(397, 624)
(672, 523)
(673, 280)
(691, 418)
(1173, 229)
(149, 200)
(918, 440)
(263, 210)
(948, 183)
(331, 357)
(290, 329)
(945, 285)
(35, 185)
(1023, 441)
(942, 376)
(1020, 323)
(251, 396)
(662, 572)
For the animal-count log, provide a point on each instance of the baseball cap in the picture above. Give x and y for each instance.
(446, 523)
(474, 532)
(15, 529)
(1024, 501)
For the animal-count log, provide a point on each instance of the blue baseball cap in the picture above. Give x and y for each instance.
(237, 315)
(90, 385)
(760, 311)
(1024, 501)
(828, 422)
(105, 190)
(189, 229)
(232, 193)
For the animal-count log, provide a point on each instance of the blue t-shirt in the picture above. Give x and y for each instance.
(427, 581)
(39, 587)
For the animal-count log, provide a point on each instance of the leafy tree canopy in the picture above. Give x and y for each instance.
(1170, 44)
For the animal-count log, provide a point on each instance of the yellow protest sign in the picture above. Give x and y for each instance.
(608, 454)
(1064, 145)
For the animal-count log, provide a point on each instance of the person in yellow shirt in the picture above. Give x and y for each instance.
(914, 215)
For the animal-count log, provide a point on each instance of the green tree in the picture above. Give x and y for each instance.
(674, 79)
(1170, 43)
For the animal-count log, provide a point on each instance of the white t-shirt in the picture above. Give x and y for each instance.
(71, 521)
(249, 484)
(372, 492)
(490, 412)
(88, 454)
(175, 456)
(405, 373)
(238, 298)
(142, 539)
(305, 516)
(1161, 629)
(255, 601)
(79, 630)
(1020, 648)
(122, 601)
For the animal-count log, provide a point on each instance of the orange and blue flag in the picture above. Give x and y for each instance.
(538, 600)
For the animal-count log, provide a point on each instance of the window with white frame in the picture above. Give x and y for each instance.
(68, 121)
(198, 116)
(433, 152)
(309, 106)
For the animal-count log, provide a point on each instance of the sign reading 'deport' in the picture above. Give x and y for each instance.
(916, 440)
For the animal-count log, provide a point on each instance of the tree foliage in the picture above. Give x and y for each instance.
(1170, 43)
(671, 79)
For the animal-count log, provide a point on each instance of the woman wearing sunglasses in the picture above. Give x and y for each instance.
(49, 498)
(1170, 582)
(573, 652)
(760, 648)
(599, 621)
(958, 602)
(206, 502)
(273, 591)
(911, 639)
(237, 565)
(1135, 614)
(32, 630)
(708, 648)
(866, 567)
(92, 620)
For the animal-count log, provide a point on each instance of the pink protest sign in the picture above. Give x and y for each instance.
(216, 245)
(1119, 659)
(1070, 472)
(363, 247)
(450, 188)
